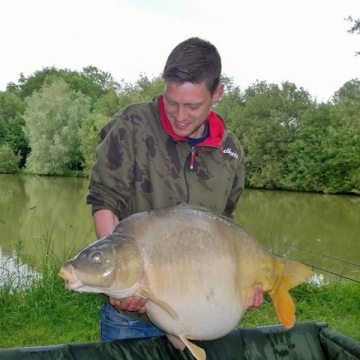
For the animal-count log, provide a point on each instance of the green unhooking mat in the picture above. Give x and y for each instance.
(306, 340)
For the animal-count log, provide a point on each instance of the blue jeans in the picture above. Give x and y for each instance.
(115, 325)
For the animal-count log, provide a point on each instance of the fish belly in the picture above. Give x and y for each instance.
(195, 323)
(207, 300)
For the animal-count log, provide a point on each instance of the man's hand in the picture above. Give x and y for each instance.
(256, 298)
(133, 303)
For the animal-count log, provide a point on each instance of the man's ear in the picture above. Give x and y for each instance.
(217, 94)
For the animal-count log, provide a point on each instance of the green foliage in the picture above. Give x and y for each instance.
(306, 157)
(12, 108)
(35, 304)
(52, 120)
(290, 141)
(355, 28)
(89, 137)
(92, 82)
(143, 90)
(28, 85)
(230, 107)
(16, 138)
(100, 79)
(269, 119)
(323, 156)
(293, 143)
(9, 161)
(348, 94)
(108, 104)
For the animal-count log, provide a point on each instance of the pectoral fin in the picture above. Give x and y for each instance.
(146, 292)
(197, 352)
(176, 342)
(180, 343)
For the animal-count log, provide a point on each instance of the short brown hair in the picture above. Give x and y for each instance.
(194, 60)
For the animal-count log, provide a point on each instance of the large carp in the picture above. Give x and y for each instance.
(196, 268)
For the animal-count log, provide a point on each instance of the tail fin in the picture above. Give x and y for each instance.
(291, 274)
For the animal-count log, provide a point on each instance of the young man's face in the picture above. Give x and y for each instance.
(188, 105)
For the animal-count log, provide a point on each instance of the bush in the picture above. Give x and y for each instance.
(9, 162)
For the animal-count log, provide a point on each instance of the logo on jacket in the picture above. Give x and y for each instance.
(231, 153)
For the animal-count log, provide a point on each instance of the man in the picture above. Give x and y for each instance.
(171, 150)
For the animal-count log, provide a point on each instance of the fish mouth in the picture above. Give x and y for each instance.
(72, 282)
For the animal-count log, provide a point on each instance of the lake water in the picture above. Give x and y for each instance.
(39, 212)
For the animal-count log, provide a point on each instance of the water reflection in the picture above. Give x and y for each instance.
(43, 213)
(15, 273)
(322, 230)
(49, 213)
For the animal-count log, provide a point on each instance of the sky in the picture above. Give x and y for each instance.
(305, 42)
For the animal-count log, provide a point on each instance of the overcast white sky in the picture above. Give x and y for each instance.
(302, 41)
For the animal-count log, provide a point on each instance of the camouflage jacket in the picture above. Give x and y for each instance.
(142, 165)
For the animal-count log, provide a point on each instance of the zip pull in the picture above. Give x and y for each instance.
(192, 157)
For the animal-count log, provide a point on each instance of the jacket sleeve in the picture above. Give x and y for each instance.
(112, 174)
(238, 185)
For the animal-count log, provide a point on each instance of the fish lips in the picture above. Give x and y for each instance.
(72, 282)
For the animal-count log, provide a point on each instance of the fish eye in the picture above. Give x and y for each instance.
(96, 257)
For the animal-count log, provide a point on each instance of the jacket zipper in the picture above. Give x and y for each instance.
(195, 151)
(192, 157)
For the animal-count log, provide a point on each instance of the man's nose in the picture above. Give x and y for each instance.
(181, 113)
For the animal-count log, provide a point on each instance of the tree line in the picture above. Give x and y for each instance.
(50, 123)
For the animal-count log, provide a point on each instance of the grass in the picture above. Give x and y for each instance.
(38, 310)
(337, 304)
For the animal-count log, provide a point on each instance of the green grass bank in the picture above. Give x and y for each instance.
(39, 311)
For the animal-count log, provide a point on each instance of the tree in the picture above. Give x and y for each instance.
(325, 154)
(230, 106)
(355, 29)
(9, 161)
(12, 108)
(348, 94)
(92, 82)
(52, 120)
(306, 160)
(343, 146)
(107, 104)
(269, 120)
(10, 105)
(16, 138)
(110, 103)
(89, 137)
(103, 80)
(34, 82)
(143, 90)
